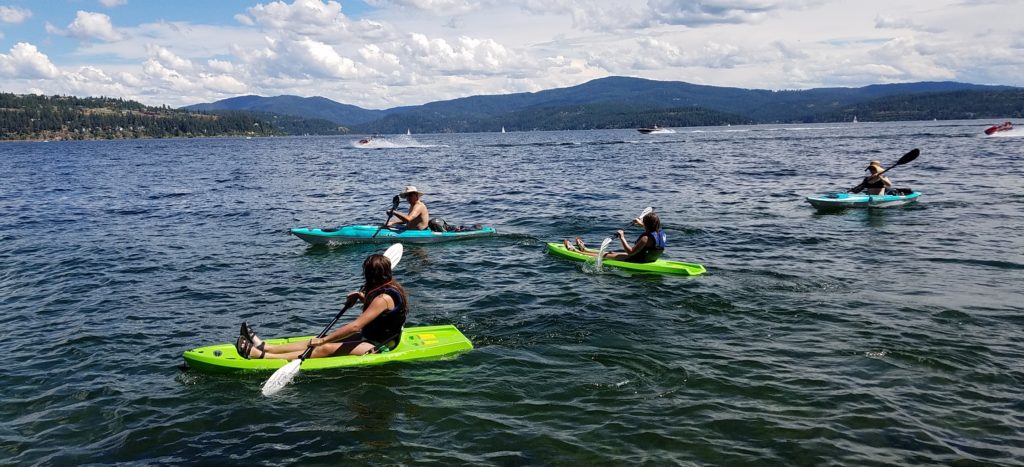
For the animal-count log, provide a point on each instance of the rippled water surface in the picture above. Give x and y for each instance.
(863, 337)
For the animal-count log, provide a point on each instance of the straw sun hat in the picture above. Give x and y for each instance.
(409, 189)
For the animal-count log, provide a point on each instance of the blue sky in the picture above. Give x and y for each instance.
(386, 53)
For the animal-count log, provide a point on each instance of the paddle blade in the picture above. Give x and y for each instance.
(281, 378)
(645, 212)
(395, 201)
(909, 156)
(394, 254)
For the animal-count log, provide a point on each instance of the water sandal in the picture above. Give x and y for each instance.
(244, 347)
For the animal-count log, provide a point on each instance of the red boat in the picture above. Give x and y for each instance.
(1005, 126)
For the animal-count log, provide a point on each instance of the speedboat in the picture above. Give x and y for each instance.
(655, 129)
(1005, 126)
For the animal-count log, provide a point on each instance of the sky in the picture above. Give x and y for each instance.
(379, 54)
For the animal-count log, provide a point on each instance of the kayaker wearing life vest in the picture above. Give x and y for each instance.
(377, 329)
(648, 247)
(875, 183)
(418, 217)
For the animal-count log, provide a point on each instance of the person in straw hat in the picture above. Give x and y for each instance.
(418, 217)
(875, 183)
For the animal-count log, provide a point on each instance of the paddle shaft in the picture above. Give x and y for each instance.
(394, 205)
(309, 349)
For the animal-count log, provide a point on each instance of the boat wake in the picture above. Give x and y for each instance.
(394, 142)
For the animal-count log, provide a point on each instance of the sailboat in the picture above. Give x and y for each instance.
(502, 129)
(408, 132)
(854, 119)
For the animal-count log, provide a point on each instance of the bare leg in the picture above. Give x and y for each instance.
(293, 350)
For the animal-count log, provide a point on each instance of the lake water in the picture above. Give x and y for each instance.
(889, 336)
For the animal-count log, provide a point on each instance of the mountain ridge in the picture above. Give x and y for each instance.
(624, 100)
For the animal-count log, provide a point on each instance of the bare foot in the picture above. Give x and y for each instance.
(580, 245)
(567, 245)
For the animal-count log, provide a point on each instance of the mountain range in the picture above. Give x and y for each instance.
(623, 102)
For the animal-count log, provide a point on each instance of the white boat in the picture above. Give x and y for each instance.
(655, 129)
(408, 132)
(502, 129)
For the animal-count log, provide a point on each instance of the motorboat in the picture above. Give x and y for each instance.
(1005, 126)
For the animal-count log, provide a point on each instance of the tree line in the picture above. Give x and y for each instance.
(81, 118)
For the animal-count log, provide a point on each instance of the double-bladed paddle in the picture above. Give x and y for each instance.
(287, 373)
(907, 158)
(394, 205)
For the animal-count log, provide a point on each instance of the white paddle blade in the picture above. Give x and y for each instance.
(639, 220)
(281, 378)
(394, 254)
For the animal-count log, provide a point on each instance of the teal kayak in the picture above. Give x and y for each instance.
(375, 234)
(418, 343)
(660, 266)
(849, 200)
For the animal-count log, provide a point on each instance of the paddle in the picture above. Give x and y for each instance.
(287, 373)
(907, 158)
(394, 205)
(643, 213)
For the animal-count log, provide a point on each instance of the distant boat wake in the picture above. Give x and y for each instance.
(396, 142)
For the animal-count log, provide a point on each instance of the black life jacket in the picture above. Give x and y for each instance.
(388, 325)
(652, 251)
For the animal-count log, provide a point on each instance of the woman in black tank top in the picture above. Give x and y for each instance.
(385, 307)
(875, 183)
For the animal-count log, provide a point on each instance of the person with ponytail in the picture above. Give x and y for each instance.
(647, 248)
(377, 329)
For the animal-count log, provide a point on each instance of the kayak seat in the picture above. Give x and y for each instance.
(899, 191)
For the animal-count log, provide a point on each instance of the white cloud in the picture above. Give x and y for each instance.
(89, 25)
(304, 16)
(113, 3)
(437, 7)
(169, 60)
(888, 22)
(13, 14)
(26, 62)
(244, 19)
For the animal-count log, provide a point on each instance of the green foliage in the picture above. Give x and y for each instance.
(959, 105)
(66, 117)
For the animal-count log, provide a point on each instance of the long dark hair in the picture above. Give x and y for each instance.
(652, 223)
(377, 272)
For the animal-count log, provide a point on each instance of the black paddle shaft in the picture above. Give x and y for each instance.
(394, 205)
(309, 349)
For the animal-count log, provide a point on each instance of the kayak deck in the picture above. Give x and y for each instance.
(660, 266)
(418, 343)
(375, 234)
(847, 200)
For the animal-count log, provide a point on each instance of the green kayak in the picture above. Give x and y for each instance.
(418, 343)
(660, 266)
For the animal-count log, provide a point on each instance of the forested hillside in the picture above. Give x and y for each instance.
(65, 117)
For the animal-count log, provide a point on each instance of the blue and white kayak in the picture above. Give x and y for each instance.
(366, 234)
(850, 200)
